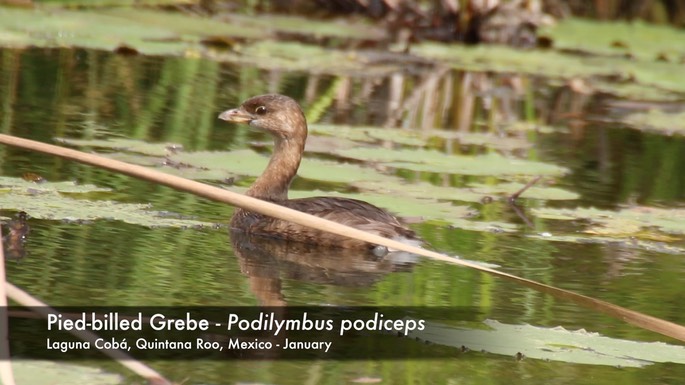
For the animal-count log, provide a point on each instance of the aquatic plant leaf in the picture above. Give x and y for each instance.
(630, 243)
(641, 222)
(326, 144)
(434, 161)
(504, 59)
(19, 184)
(420, 190)
(555, 64)
(41, 372)
(534, 192)
(349, 29)
(55, 206)
(658, 121)
(425, 208)
(557, 344)
(488, 140)
(159, 32)
(86, 29)
(128, 145)
(635, 91)
(294, 56)
(369, 134)
(249, 163)
(522, 126)
(409, 137)
(483, 226)
(639, 39)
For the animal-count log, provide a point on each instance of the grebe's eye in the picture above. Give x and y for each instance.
(261, 110)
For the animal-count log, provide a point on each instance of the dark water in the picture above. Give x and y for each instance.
(85, 94)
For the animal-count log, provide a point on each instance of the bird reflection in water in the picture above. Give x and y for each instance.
(267, 261)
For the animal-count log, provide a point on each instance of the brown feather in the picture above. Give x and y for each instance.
(282, 117)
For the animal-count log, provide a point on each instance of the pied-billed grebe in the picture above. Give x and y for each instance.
(282, 117)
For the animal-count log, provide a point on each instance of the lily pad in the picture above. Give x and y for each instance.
(474, 193)
(489, 140)
(55, 206)
(557, 344)
(426, 208)
(642, 40)
(350, 29)
(631, 243)
(294, 56)
(419, 138)
(248, 162)
(55, 187)
(434, 161)
(662, 75)
(420, 190)
(641, 222)
(163, 32)
(535, 192)
(532, 126)
(128, 145)
(635, 91)
(369, 134)
(658, 121)
(39, 372)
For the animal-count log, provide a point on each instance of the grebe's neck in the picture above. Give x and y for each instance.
(274, 182)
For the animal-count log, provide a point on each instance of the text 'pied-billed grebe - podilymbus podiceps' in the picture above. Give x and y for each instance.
(283, 118)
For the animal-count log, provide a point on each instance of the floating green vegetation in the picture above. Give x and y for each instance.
(420, 138)
(417, 199)
(534, 192)
(557, 344)
(489, 140)
(249, 163)
(427, 208)
(623, 243)
(370, 134)
(630, 90)
(505, 59)
(434, 161)
(158, 32)
(640, 222)
(658, 121)
(37, 372)
(122, 144)
(8, 184)
(641, 40)
(46, 201)
(345, 29)
(663, 76)
(100, 30)
(294, 56)
(420, 190)
(474, 193)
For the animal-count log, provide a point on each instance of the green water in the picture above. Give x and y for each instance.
(91, 94)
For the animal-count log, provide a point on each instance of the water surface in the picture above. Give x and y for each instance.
(86, 94)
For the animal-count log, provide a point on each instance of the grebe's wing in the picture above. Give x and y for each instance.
(354, 213)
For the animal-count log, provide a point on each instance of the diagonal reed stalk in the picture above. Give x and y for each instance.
(120, 356)
(218, 194)
(6, 372)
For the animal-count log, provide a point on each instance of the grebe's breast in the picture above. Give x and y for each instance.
(350, 212)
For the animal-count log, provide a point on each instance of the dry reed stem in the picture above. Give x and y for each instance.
(6, 372)
(214, 193)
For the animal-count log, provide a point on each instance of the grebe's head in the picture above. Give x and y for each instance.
(277, 114)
